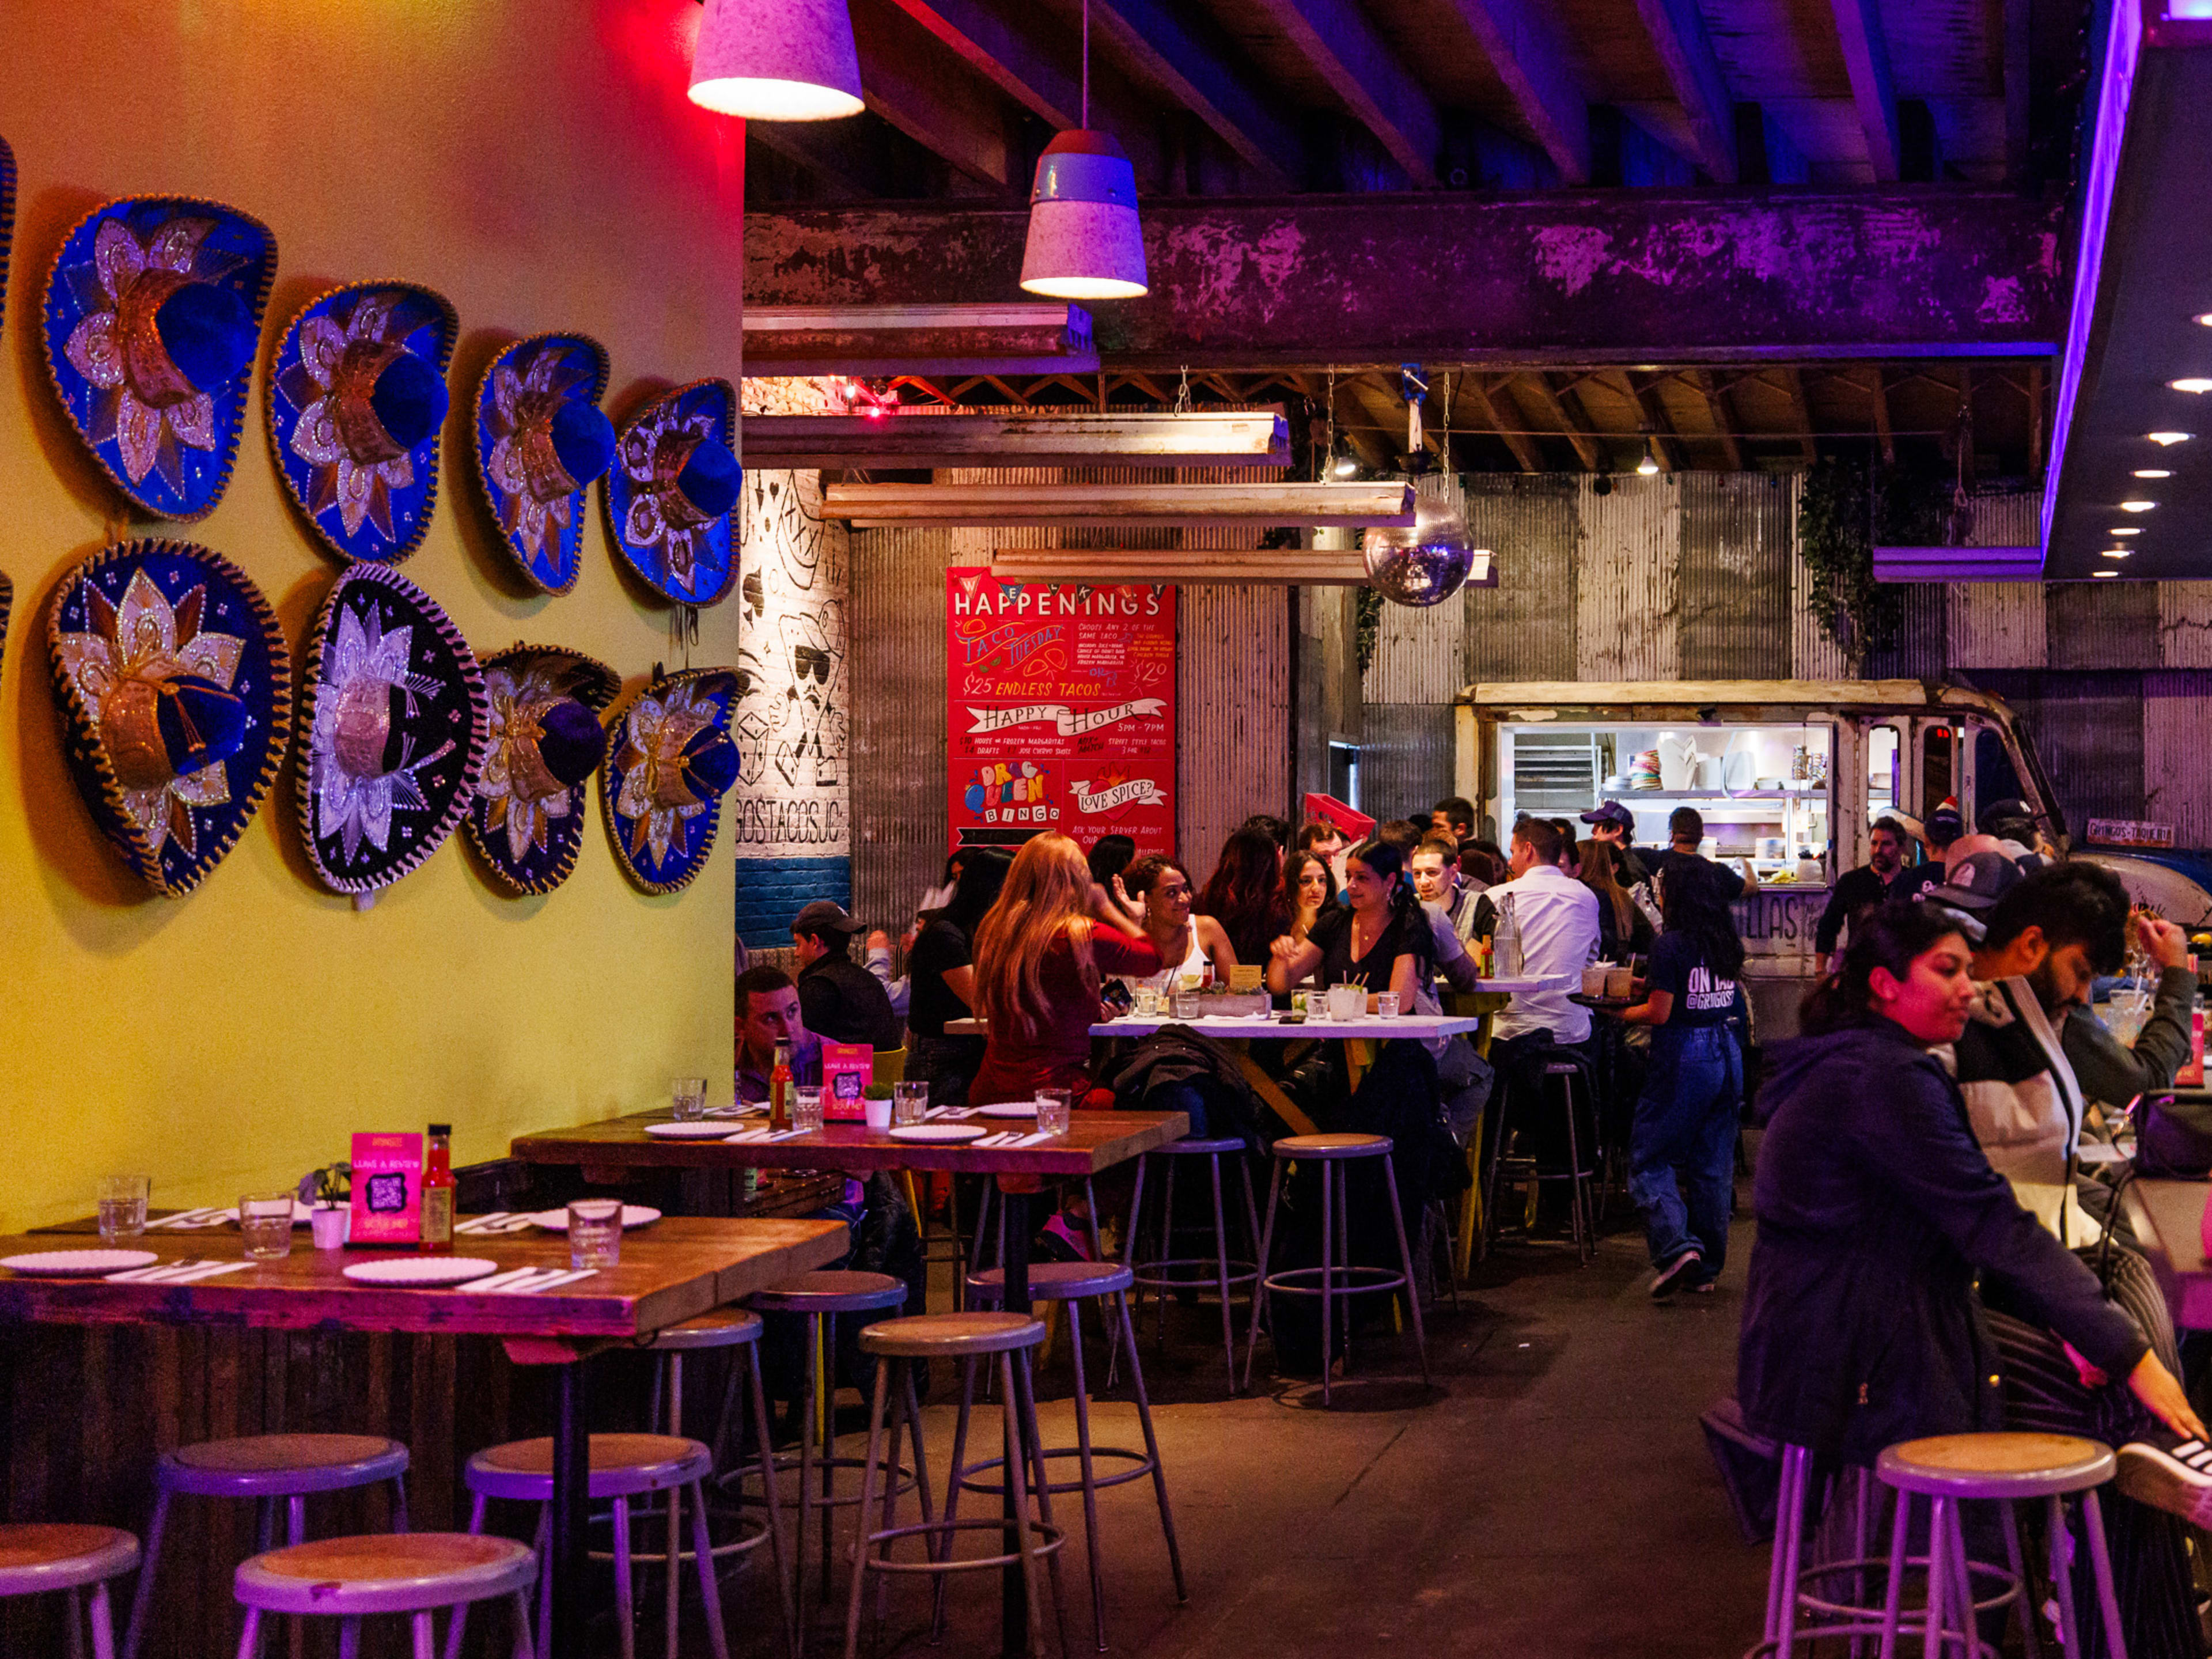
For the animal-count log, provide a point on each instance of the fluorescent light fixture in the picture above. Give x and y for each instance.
(2167, 439)
(2151, 472)
(2123, 530)
(2195, 383)
(2137, 507)
(2114, 553)
(2104, 573)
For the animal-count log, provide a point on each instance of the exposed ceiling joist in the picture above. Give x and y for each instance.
(982, 439)
(1883, 436)
(1723, 417)
(1800, 412)
(1347, 51)
(1643, 388)
(1388, 412)
(1543, 391)
(1678, 35)
(1525, 453)
(1161, 37)
(1526, 48)
(1266, 505)
(908, 82)
(1874, 89)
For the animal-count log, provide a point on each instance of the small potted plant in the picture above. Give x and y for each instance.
(332, 1219)
(876, 1103)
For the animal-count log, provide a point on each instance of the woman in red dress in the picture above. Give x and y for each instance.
(1041, 954)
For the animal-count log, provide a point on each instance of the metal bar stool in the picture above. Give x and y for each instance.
(37, 1559)
(724, 1328)
(820, 1298)
(2004, 1469)
(1337, 1276)
(1157, 1273)
(1072, 1283)
(1826, 1616)
(966, 1337)
(622, 1467)
(1582, 1209)
(265, 1468)
(413, 1574)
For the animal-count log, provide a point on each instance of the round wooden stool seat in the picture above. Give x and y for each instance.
(623, 1466)
(42, 1556)
(831, 1291)
(1056, 1281)
(384, 1572)
(725, 1327)
(951, 1335)
(1193, 1146)
(2015, 1466)
(1333, 1146)
(281, 1465)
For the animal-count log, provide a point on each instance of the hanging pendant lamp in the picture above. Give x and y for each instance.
(777, 60)
(1085, 241)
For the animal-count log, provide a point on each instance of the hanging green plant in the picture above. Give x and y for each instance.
(1847, 503)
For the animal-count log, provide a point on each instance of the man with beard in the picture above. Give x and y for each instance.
(1861, 891)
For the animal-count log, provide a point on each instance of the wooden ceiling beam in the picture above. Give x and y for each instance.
(1643, 388)
(1874, 89)
(1165, 39)
(1678, 35)
(1883, 436)
(1526, 48)
(1544, 389)
(1800, 412)
(1723, 417)
(1350, 55)
(1525, 453)
(907, 82)
(1387, 410)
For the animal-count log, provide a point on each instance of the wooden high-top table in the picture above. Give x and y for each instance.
(1094, 1141)
(678, 1267)
(2168, 1219)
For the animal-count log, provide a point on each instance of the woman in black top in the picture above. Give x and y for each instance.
(941, 970)
(1380, 938)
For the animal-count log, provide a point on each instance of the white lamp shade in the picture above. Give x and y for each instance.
(1086, 241)
(777, 60)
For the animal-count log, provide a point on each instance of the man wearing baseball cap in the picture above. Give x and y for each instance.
(842, 1001)
(1614, 824)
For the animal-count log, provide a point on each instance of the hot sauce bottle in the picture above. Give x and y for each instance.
(438, 1191)
(779, 1089)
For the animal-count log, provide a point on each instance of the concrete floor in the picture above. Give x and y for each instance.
(1550, 1495)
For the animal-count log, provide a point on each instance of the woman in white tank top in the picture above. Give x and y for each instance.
(1191, 943)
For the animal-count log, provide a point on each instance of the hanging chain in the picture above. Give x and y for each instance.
(1329, 457)
(1086, 65)
(1447, 414)
(1182, 392)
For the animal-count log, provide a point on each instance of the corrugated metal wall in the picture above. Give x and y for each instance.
(1421, 650)
(1628, 620)
(1738, 539)
(2177, 712)
(1524, 627)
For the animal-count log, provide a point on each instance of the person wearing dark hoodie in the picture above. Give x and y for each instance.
(1877, 1208)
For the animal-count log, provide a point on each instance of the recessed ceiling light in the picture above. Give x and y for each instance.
(2115, 553)
(2195, 383)
(2124, 530)
(2151, 472)
(2167, 439)
(2137, 507)
(2104, 573)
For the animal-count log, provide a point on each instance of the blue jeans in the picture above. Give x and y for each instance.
(1686, 1120)
(1186, 1097)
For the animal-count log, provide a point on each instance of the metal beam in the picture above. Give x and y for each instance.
(1678, 35)
(1643, 278)
(948, 506)
(1527, 49)
(1163, 39)
(1028, 336)
(1233, 568)
(1866, 57)
(1723, 417)
(980, 440)
(1347, 51)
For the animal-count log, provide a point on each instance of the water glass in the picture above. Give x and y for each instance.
(1056, 1106)
(1187, 1006)
(1386, 1005)
(1145, 1003)
(123, 1206)
(806, 1109)
(689, 1095)
(595, 1232)
(1347, 1001)
(265, 1220)
(909, 1103)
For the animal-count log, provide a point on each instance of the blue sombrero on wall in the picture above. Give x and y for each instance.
(527, 818)
(7, 219)
(175, 695)
(356, 408)
(392, 730)
(541, 442)
(152, 318)
(670, 760)
(671, 490)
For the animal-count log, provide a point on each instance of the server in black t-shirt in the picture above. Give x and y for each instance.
(941, 968)
(1686, 1120)
(1858, 893)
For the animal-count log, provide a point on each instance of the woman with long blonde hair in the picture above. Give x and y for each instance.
(1041, 954)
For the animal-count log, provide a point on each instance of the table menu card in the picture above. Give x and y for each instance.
(388, 1189)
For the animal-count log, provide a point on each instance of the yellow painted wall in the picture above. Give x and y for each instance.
(535, 161)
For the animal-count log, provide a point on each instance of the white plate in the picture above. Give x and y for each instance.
(1011, 1108)
(74, 1264)
(419, 1270)
(939, 1132)
(556, 1221)
(695, 1131)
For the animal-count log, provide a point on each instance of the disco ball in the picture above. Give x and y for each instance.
(1426, 563)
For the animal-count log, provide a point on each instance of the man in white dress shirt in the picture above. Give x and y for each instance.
(1556, 917)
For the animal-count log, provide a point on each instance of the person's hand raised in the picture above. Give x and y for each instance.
(2164, 942)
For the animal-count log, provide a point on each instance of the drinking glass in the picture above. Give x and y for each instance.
(689, 1096)
(265, 1220)
(806, 1109)
(1145, 1003)
(1347, 1001)
(1187, 1006)
(1386, 1005)
(123, 1206)
(594, 1232)
(1054, 1108)
(909, 1103)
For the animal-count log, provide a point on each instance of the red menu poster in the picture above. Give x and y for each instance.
(1062, 710)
